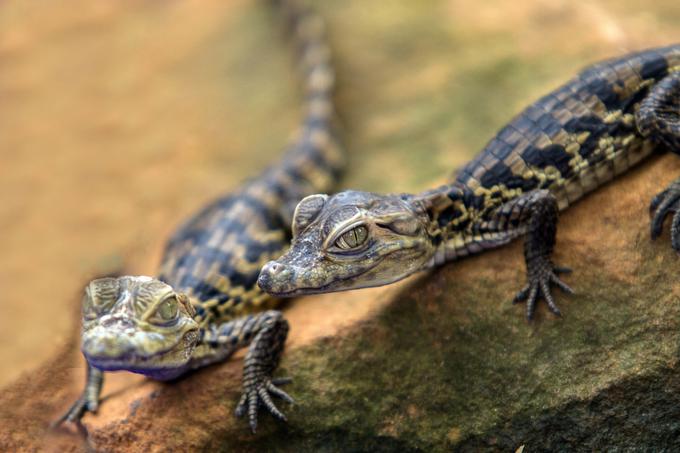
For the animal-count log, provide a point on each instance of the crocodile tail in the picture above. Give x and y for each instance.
(315, 158)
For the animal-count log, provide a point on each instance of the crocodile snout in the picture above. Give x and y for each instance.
(275, 278)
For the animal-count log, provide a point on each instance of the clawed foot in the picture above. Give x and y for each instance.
(260, 392)
(76, 412)
(88, 401)
(662, 205)
(540, 280)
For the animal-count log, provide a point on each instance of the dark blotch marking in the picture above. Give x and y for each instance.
(628, 106)
(473, 201)
(588, 123)
(655, 68)
(448, 215)
(551, 155)
(502, 174)
(190, 230)
(605, 92)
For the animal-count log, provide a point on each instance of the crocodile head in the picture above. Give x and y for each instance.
(350, 240)
(137, 324)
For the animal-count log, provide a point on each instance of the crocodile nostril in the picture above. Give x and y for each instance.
(273, 276)
(274, 268)
(118, 321)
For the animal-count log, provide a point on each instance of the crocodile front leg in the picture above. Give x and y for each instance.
(659, 119)
(261, 360)
(535, 215)
(89, 399)
(663, 205)
(265, 335)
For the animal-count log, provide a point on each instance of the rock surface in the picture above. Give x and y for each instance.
(436, 363)
(441, 362)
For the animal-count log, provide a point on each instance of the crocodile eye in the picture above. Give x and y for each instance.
(353, 238)
(167, 310)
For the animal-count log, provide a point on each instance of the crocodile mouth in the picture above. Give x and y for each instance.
(327, 288)
(124, 361)
(134, 363)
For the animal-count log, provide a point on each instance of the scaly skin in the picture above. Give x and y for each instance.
(570, 142)
(197, 311)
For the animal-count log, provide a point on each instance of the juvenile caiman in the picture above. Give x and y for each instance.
(577, 138)
(200, 308)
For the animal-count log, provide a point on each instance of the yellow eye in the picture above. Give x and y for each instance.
(353, 238)
(167, 310)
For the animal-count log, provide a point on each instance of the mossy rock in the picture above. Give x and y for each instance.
(442, 361)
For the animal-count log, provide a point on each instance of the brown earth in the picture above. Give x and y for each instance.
(120, 119)
(196, 412)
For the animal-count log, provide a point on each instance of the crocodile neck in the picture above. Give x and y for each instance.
(452, 211)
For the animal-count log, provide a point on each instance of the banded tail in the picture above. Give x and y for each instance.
(216, 256)
(316, 158)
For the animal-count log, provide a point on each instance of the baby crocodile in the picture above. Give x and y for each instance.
(196, 312)
(568, 143)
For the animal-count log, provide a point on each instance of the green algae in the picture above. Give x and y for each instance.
(460, 369)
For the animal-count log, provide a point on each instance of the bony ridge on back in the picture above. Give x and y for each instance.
(590, 130)
(205, 304)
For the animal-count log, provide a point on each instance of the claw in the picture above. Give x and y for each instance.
(561, 285)
(252, 411)
(675, 232)
(92, 406)
(269, 404)
(531, 302)
(656, 201)
(75, 412)
(282, 381)
(241, 406)
(545, 288)
(274, 390)
(88, 400)
(260, 394)
(521, 295)
(662, 205)
(539, 287)
(562, 270)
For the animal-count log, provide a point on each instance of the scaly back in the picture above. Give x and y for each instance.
(576, 138)
(216, 256)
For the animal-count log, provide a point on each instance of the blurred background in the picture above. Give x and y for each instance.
(119, 119)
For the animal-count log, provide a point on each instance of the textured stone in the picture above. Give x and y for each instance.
(440, 362)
